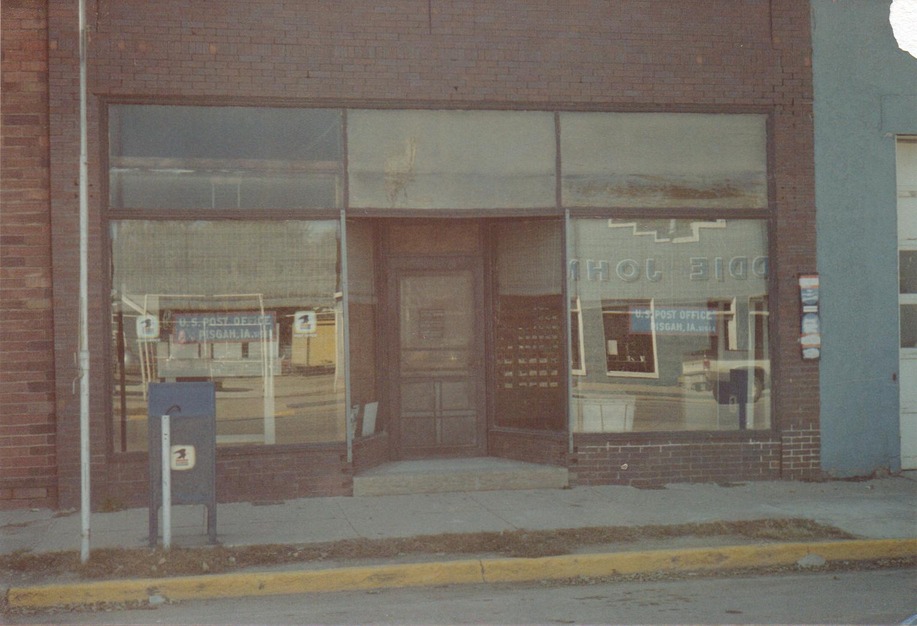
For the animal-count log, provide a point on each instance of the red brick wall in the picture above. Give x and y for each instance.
(796, 401)
(705, 55)
(28, 473)
(242, 475)
(656, 460)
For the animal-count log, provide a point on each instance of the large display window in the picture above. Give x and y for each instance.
(225, 268)
(224, 158)
(664, 160)
(673, 325)
(253, 306)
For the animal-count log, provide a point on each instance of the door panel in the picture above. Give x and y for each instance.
(907, 298)
(439, 348)
(908, 389)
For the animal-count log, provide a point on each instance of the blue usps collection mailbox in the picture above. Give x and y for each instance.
(192, 410)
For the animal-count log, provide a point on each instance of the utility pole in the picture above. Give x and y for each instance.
(85, 458)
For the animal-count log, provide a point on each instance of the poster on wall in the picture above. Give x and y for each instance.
(810, 324)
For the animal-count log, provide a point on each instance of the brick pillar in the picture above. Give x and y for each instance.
(28, 458)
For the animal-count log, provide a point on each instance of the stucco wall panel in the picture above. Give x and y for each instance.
(864, 88)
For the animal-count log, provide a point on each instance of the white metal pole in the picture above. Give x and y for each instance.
(350, 414)
(85, 458)
(166, 482)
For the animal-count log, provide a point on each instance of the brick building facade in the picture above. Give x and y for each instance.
(28, 424)
(565, 63)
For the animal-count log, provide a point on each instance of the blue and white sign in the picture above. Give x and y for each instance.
(217, 327)
(147, 327)
(305, 324)
(673, 321)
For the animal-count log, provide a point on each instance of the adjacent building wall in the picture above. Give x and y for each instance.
(28, 472)
(865, 93)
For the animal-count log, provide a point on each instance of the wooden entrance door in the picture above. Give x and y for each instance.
(437, 378)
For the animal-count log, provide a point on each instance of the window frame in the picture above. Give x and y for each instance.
(110, 213)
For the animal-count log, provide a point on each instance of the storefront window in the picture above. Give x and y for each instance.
(662, 160)
(254, 307)
(188, 157)
(451, 159)
(673, 325)
(668, 318)
(530, 388)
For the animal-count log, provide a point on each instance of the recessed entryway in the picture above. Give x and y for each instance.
(434, 331)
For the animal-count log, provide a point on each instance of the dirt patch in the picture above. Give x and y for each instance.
(106, 563)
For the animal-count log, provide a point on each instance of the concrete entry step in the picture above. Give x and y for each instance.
(445, 475)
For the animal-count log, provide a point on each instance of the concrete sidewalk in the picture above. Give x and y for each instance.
(883, 512)
(873, 509)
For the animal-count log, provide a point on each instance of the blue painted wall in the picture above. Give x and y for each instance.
(865, 94)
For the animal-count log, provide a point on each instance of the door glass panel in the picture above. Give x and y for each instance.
(438, 373)
(437, 323)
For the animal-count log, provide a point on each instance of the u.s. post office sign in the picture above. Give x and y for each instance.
(221, 327)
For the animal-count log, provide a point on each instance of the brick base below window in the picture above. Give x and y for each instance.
(270, 474)
(598, 460)
(243, 475)
(27, 498)
(801, 454)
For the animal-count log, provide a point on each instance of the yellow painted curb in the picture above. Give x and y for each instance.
(453, 572)
(249, 584)
(694, 559)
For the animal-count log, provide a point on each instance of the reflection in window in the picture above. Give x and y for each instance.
(188, 157)
(663, 160)
(577, 362)
(674, 324)
(630, 339)
(451, 159)
(251, 306)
